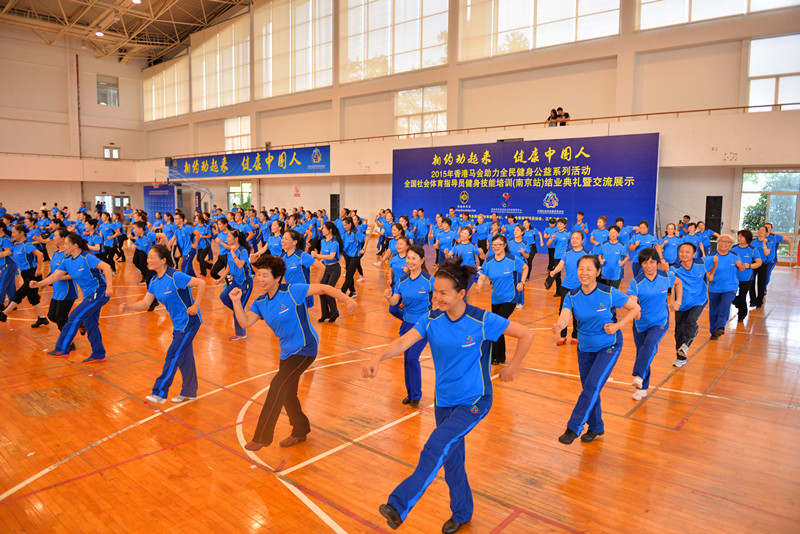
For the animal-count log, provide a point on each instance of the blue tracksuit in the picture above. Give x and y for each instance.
(654, 322)
(415, 294)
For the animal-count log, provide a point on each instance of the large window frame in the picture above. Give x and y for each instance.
(692, 15)
(762, 196)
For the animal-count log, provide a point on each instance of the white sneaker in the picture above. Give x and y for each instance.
(678, 363)
(155, 399)
(684, 350)
(237, 338)
(361, 279)
(796, 266)
(519, 306)
(181, 398)
(637, 382)
(639, 394)
(376, 264)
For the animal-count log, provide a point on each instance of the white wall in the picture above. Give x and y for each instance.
(308, 124)
(683, 191)
(368, 115)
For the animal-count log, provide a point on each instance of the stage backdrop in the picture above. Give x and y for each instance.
(614, 176)
(306, 160)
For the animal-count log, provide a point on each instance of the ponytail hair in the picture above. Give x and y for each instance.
(335, 233)
(241, 238)
(458, 273)
(297, 236)
(62, 232)
(75, 239)
(163, 252)
(281, 225)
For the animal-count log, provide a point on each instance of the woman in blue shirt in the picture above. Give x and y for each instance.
(482, 227)
(639, 242)
(705, 236)
(547, 233)
(8, 269)
(64, 292)
(414, 290)
(612, 257)
(694, 280)
(569, 264)
(520, 248)
(766, 248)
(94, 278)
(221, 240)
(241, 276)
(329, 254)
(668, 246)
(533, 237)
(599, 344)
(173, 289)
(298, 262)
(468, 252)
(29, 261)
(116, 224)
(457, 333)
(203, 243)
(749, 261)
(723, 281)
(506, 272)
(559, 240)
(651, 290)
(299, 344)
(353, 241)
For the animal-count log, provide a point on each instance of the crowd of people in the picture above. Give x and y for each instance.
(430, 266)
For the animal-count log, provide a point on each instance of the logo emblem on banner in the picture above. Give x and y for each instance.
(463, 197)
(506, 196)
(551, 200)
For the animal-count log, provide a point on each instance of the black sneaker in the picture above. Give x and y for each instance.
(714, 337)
(41, 321)
(720, 332)
(567, 437)
(391, 515)
(3, 317)
(71, 347)
(548, 282)
(82, 330)
(590, 436)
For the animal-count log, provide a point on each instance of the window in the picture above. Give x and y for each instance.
(383, 37)
(165, 89)
(489, 28)
(661, 13)
(220, 58)
(774, 72)
(420, 110)
(107, 90)
(293, 46)
(111, 152)
(239, 195)
(774, 197)
(237, 133)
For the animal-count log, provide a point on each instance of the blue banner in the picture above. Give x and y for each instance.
(161, 198)
(614, 176)
(306, 160)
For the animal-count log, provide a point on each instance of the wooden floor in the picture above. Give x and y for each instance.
(714, 448)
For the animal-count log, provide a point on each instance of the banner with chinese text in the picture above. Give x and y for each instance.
(615, 176)
(306, 160)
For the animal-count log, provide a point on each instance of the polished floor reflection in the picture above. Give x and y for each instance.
(712, 449)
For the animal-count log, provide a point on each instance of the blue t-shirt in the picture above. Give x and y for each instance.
(461, 352)
(172, 290)
(601, 236)
(241, 274)
(652, 295)
(466, 253)
(422, 225)
(548, 232)
(274, 245)
(183, 236)
(446, 240)
(593, 312)
(397, 265)
(62, 289)
(671, 246)
(695, 240)
(107, 230)
(482, 230)
(695, 284)
(352, 241)
(146, 242)
(223, 251)
(560, 244)
(169, 229)
(773, 239)
(126, 214)
(612, 254)
(203, 242)
(5, 244)
(298, 267)
(23, 255)
(644, 241)
(531, 237)
(571, 259)
(287, 315)
(158, 223)
(330, 246)
(504, 275)
(83, 270)
(518, 248)
(747, 254)
(726, 276)
(416, 294)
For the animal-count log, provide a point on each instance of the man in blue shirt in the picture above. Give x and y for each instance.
(777, 240)
(692, 273)
(722, 286)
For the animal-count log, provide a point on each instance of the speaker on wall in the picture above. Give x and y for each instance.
(168, 162)
(334, 213)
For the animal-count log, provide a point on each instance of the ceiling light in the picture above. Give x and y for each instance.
(84, 45)
(99, 33)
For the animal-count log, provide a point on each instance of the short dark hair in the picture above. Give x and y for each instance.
(274, 264)
(649, 254)
(747, 234)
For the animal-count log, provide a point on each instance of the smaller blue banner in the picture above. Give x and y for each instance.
(161, 198)
(308, 160)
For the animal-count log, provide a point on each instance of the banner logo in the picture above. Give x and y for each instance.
(506, 196)
(551, 200)
(316, 156)
(463, 197)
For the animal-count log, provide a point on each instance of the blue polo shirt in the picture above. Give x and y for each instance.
(746, 254)
(671, 245)
(504, 275)
(23, 255)
(416, 294)
(62, 289)
(83, 270)
(352, 241)
(601, 236)
(398, 267)
(298, 267)
(560, 244)
(422, 226)
(571, 259)
(223, 251)
(461, 352)
(726, 276)
(593, 312)
(172, 290)
(518, 248)
(548, 232)
(286, 314)
(107, 230)
(329, 246)
(644, 241)
(695, 284)
(531, 237)
(240, 274)
(652, 295)
(466, 253)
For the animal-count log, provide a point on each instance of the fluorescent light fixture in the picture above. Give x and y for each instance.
(99, 33)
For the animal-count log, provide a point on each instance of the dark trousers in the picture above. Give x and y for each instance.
(59, 312)
(88, 314)
(741, 299)
(120, 243)
(686, 327)
(759, 286)
(719, 309)
(351, 265)
(530, 264)
(201, 259)
(221, 263)
(504, 309)
(563, 292)
(551, 260)
(25, 291)
(247, 288)
(283, 394)
(330, 277)
(140, 262)
(108, 256)
(413, 371)
(444, 448)
(646, 348)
